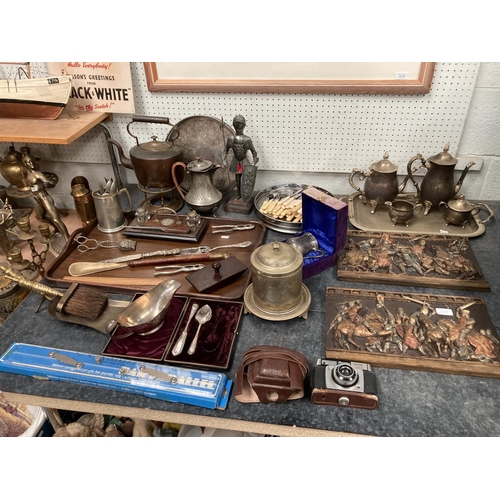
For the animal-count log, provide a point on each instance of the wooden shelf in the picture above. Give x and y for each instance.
(66, 129)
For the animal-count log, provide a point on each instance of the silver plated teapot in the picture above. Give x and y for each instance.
(381, 182)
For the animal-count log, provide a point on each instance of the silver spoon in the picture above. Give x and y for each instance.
(179, 345)
(107, 189)
(202, 316)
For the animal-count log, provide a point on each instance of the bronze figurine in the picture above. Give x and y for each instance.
(38, 184)
(244, 167)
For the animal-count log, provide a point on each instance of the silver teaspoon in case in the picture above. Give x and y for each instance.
(202, 316)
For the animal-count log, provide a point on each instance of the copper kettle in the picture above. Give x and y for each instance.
(151, 161)
(438, 183)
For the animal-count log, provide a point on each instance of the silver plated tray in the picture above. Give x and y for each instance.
(433, 223)
(280, 191)
(204, 136)
(300, 310)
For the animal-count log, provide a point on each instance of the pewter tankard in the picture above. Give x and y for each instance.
(110, 216)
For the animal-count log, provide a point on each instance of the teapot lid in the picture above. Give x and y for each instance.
(443, 158)
(460, 204)
(155, 146)
(384, 166)
(200, 165)
(276, 258)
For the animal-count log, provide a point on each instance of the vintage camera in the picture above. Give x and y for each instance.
(344, 383)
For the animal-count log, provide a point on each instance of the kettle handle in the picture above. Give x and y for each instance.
(176, 164)
(151, 119)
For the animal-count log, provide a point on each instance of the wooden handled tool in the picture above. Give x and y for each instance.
(178, 259)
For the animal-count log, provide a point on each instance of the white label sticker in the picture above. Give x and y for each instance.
(401, 75)
(442, 231)
(444, 311)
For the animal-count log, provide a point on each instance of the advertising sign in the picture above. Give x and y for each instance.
(98, 86)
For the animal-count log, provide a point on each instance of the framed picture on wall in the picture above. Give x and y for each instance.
(295, 77)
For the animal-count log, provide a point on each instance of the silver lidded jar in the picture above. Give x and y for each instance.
(277, 291)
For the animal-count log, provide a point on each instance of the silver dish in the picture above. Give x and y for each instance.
(145, 315)
(280, 191)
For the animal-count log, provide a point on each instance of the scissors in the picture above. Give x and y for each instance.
(85, 244)
(229, 228)
(173, 268)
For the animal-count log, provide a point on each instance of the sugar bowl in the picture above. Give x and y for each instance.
(459, 211)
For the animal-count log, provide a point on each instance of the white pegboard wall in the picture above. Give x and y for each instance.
(302, 132)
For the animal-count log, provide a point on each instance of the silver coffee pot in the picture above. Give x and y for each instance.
(203, 196)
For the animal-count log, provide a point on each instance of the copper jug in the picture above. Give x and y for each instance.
(381, 182)
(438, 184)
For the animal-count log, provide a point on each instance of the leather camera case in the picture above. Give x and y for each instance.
(270, 374)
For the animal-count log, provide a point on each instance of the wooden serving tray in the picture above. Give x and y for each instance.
(141, 279)
(359, 324)
(440, 261)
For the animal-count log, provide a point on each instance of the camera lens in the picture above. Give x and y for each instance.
(345, 375)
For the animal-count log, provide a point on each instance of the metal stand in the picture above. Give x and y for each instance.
(156, 198)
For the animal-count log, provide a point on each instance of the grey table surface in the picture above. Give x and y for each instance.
(411, 403)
